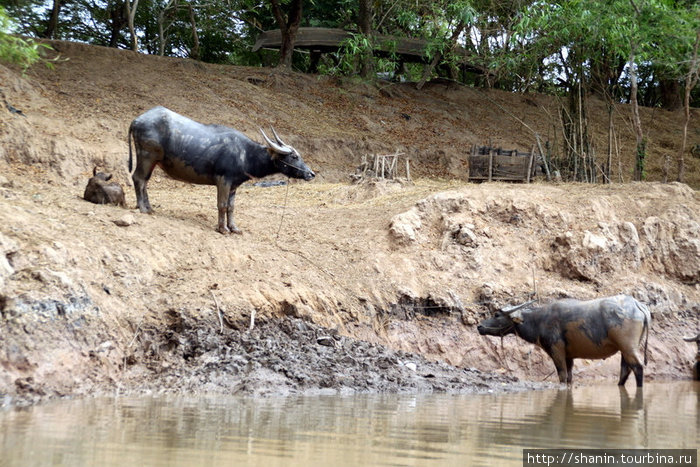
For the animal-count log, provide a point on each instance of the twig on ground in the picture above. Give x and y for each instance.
(218, 311)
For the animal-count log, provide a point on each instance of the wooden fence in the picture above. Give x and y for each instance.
(382, 166)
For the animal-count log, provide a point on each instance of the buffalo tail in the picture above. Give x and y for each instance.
(647, 325)
(129, 142)
(646, 342)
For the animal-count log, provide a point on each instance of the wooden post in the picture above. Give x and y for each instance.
(392, 167)
(529, 165)
(491, 164)
(408, 169)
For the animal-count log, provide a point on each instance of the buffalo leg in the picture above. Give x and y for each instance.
(223, 190)
(229, 212)
(569, 370)
(624, 372)
(140, 177)
(638, 374)
(558, 354)
(146, 161)
(560, 364)
(631, 363)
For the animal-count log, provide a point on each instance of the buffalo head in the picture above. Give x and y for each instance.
(286, 158)
(503, 322)
(105, 177)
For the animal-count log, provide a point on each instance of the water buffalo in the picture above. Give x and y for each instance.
(569, 329)
(696, 367)
(100, 190)
(206, 155)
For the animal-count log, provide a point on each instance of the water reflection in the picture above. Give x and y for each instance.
(354, 430)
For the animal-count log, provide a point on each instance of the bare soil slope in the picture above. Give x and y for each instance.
(346, 287)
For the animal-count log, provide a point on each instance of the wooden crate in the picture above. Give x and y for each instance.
(496, 164)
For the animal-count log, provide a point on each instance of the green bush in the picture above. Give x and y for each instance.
(16, 50)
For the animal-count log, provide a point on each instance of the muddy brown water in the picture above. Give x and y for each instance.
(425, 429)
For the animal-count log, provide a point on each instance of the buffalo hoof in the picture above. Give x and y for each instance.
(223, 230)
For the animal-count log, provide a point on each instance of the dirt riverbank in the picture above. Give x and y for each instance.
(349, 287)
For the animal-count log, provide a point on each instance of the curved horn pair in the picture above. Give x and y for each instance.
(280, 146)
(512, 309)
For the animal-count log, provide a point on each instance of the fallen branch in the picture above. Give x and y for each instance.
(252, 320)
(218, 311)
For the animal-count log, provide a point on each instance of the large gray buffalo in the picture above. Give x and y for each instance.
(207, 155)
(569, 329)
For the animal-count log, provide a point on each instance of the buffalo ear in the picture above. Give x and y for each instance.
(273, 154)
(517, 317)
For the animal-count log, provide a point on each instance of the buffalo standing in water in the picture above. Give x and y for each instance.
(569, 329)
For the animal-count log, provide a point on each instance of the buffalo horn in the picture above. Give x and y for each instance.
(275, 146)
(692, 338)
(511, 309)
(279, 140)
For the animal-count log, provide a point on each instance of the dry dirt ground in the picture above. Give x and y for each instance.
(333, 286)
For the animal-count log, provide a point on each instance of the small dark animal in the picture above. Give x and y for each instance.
(100, 190)
(696, 367)
(207, 155)
(569, 329)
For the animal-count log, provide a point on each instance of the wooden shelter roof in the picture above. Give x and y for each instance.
(330, 39)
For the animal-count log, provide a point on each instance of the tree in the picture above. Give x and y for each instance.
(585, 42)
(691, 80)
(131, 6)
(289, 26)
(52, 24)
(364, 23)
(438, 55)
(15, 49)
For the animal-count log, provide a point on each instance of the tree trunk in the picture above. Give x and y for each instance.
(167, 11)
(117, 14)
(365, 25)
(130, 15)
(52, 24)
(194, 53)
(691, 80)
(636, 122)
(428, 69)
(670, 93)
(578, 162)
(288, 28)
(611, 136)
(161, 33)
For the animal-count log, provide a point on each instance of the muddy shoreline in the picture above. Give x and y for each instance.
(277, 357)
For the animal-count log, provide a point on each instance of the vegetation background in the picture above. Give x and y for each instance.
(644, 52)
